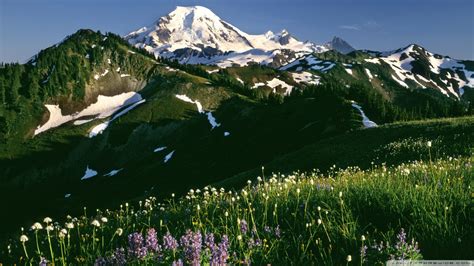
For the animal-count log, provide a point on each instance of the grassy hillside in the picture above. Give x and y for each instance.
(390, 144)
(412, 211)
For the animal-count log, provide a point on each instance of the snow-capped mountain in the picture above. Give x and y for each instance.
(339, 45)
(197, 35)
(423, 69)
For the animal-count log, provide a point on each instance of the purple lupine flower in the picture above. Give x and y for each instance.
(152, 241)
(243, 226)
(258, 242)
(169, 242)
(267, 229)
(178, 262)
(135, 246)
(402, 237)
(223, 250)
(209, 241)
(192, 245)
(100, 261)
(118, 257)
(277, 231)
(363, 251)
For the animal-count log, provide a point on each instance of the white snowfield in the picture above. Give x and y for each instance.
(274, 83)
(365, 120)
(113, 172)
(168, 156)
(210, 117)
(305, 77)
(89, 173)
(310, 62)
(102, 126)
(104, 107)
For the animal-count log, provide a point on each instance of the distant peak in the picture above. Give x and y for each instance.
(339, 45)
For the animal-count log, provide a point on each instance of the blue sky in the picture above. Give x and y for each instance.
(445, 27)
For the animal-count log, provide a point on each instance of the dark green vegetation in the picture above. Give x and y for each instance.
(314, 127)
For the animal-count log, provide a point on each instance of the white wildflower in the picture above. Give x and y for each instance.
(23, 238)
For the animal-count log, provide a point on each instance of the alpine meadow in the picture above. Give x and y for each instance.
(189, 141)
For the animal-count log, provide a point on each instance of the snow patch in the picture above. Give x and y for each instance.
(168, 156)
(104, 107)
(212, 120)
(185, 98)
(365, 120)
(97, 76)
(305, 77)
(369, 74)
(89, 173)
(113, 172)
(102, 126)
(159, 149)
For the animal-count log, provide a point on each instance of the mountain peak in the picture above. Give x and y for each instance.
(339, 45)
(197, 32)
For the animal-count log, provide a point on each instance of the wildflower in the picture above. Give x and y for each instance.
(428, 144)
(49, 228)
(298, 191)
(277, 231)
(239, 237)
(363, 238)
(446, 208)
(349, 258)
(69, 225)
(226, 214)
(169, 242)
(319, 221)
(36, 226)
(23, 238)
(152, 241)
(249, 182)
(178, 262)
(319, 208)
(198, 207)
(135, 246)
(104, 220)
(119, 231)
(340, 194)
(62, 233)
(243, 227)
(172, 195)
(47, 220)
(100, 261)
(95, 223)
(192, 245)
(117, 257)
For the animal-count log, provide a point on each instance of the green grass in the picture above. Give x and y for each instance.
(296, 219)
